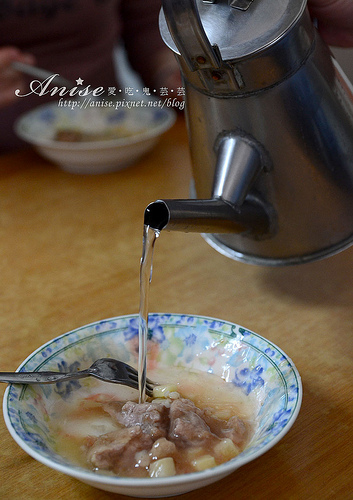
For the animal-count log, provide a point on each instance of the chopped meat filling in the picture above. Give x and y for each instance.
(163, 428)
(187, 426)
(151, 417)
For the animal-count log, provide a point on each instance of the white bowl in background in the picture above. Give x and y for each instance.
(132, 133)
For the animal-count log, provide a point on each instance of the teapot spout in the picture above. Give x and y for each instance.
(209, 216)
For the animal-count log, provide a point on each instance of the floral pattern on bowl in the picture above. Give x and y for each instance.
(245, 359)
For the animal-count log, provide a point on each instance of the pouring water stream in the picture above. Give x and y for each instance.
(150, 236)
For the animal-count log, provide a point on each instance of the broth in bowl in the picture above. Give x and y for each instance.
(193, 422)
(214, 363)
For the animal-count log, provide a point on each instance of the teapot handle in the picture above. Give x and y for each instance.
(185, 26)
(184, 23)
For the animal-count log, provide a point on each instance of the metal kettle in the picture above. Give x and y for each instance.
(269, 115)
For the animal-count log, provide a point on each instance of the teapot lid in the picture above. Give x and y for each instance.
(240, 28)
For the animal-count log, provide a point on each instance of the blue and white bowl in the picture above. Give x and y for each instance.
(143, 127)
(252, 363)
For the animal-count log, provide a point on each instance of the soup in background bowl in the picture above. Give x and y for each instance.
(94, 140)
(245, 375)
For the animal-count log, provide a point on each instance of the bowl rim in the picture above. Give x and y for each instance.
(150, 132)
(91, 477)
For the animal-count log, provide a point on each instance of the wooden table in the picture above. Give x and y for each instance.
(69, 255)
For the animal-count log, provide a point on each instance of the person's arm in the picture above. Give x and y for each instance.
(335, 20)
(10, 79)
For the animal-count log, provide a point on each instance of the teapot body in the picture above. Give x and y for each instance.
(292, 98)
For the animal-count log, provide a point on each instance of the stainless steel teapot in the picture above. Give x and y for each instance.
(270, 121)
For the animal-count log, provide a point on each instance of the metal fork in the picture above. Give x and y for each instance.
(107, 369)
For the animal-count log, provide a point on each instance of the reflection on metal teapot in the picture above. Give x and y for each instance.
(270, 122)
